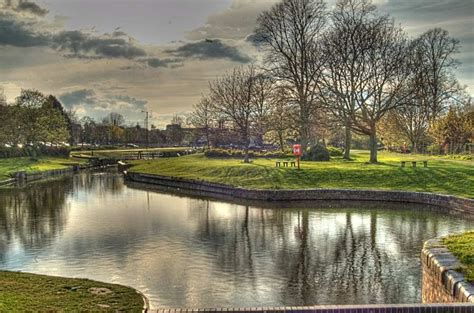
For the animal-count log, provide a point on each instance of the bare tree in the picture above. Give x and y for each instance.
(434, 86)
(289, 33)
(388, 85)
(114, 119)
(280, 119)
(202, 117)
(345, 71)
(367, 75)
(234, 96)
(433, 58)
(263, 88)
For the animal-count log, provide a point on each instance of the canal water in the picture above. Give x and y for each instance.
(191, 252)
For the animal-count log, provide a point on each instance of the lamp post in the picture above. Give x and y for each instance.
(146, 127)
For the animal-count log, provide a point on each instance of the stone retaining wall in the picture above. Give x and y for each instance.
(451, 203)
(441, 282)
(25, 176)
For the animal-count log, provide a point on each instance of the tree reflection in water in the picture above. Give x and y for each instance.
(189, 251)
(32, 216)
(345, 254)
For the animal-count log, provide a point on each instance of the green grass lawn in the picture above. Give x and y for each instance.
(20, 292)
(443, 175)
(462, 246)
(11, 165)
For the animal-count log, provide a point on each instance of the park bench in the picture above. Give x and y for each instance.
(285, 163)
(413, 163)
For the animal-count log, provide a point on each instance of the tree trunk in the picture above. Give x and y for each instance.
(304, 136)
(414, 146)
(304, 126)
(280, 138)
(373, 147)
(347, 142)
(246, 157)
(207, 139)
(246, 149)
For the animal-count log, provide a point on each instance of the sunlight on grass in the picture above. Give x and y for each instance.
(11, 165)
(443, 175)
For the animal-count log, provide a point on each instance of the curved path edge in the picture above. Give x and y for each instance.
(452, 203)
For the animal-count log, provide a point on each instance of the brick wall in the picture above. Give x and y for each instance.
(441, 282)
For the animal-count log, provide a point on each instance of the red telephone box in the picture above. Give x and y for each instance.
(297, 151)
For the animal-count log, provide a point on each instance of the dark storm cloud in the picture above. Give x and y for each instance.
(14, 32)
(157, 62)
(254, 39)
(19, 32)
(137, 103)
(82, 45)
(87, 100)
(77, 97)
(210, 49)
(31, 7)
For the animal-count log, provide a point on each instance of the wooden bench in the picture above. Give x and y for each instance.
(285, 163)
(413, 163)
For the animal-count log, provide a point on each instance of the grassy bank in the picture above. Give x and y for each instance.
(446, 176)
(462, 246)
(11, 165)
(20, 292)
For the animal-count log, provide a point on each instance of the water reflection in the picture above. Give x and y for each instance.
(191, 252)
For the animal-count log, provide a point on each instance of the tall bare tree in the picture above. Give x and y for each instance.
(235, 97)
(387, 86)
(202, 117)
(263, 91)
(367, 73)
(280, 120)
(345, 70)
(434, 59)
(433, 84)
(289, 33)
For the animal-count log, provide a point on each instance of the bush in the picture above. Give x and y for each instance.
(335, 151)
(434, 149)
(238, 154)
(33, 152)
(318, 152)
(13, 152)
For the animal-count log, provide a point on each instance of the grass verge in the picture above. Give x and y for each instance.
(462, 246)
(445, 176)
(11, 165)
(20, 292)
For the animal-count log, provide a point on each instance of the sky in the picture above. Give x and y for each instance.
(130, 56)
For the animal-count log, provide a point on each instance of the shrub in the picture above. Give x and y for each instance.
(237, 153)
(434, 149)
(318, 152)
(33, 152)
(13, 152)
(335, 151)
